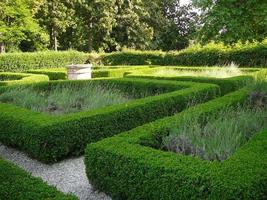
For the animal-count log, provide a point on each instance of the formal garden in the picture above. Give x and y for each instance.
(152, 100)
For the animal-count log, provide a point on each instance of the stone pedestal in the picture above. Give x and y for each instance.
(79, 72)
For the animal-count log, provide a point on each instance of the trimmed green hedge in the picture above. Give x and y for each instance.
(51, 138)
(247, 56)
(18, 62)
(8, 79)
(226, 84)
(126, 167)
(61, 73)
(16, 184)
(53, 73)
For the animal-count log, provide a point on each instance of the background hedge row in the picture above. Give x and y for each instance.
(195, 56)
(126, 167)
(49, 138)
(18, 62)
(243, 55)
(16, 184)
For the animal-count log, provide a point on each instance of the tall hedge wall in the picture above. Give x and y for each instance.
(16, 184)
(127, 167)
(247, 57)
(18, 62)
(51, 138)
(252, 55)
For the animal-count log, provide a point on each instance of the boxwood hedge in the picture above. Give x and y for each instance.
(18, 62)
(52, 73)
(51, 138)
(16, 184)
(127, 167)
(61, 73)
(7, 79)
(210, 55)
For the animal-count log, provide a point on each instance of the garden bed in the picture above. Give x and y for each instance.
(226, 84)
(131, 165)
(66, 99)
(51, 138)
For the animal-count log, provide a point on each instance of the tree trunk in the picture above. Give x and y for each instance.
(90, 35)
(2, 47)
(54, 39)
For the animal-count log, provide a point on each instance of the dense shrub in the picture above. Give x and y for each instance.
(17, 184)
(52, 73)
(243, 55)
(17, 62)
(7, 79)
(50, 138)
(128, 166)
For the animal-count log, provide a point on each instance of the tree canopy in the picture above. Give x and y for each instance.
(110, 25)
(231, 21)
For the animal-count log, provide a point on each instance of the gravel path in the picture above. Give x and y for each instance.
(68, 176)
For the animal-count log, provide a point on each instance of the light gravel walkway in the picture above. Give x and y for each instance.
(68, 176)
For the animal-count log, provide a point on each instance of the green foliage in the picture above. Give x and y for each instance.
(111, 25)
(17, 25)
(16, 184)
(232, 21)
(249, 55)
(18, 62)
(127, 167)
(55, 17)
(50, 139)
(8, 79)
(97, 72)
(173, 24)
(60, 100)
(52, 73)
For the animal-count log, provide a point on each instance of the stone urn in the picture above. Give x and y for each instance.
(79, 71)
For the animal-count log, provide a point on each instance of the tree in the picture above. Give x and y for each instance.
(131, 29)
(112, 24)
(231, 21)
(173, 24)
(95, 22)
(181, 24)
(17, 23)
(56, 16)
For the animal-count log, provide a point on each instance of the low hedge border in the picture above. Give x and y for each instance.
(118, 73)
(61, 73)
(16, 184)
(50, 138)
(226, 84)
(53, 73)
(126, 167)
(21, 78)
